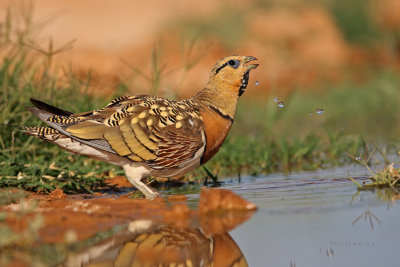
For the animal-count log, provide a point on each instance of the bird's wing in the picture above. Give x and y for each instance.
(159, 132)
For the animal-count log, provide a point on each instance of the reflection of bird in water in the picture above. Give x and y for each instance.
(145, 244)
(150, 135)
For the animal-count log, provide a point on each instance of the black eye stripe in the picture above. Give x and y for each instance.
(220, 68)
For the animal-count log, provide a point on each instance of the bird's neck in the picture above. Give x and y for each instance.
(221, 100)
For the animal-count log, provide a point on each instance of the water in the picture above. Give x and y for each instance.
(281, 104)
(319, 110)
(304, 219)
(310, 219)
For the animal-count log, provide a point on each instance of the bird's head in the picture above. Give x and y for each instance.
(232, 73)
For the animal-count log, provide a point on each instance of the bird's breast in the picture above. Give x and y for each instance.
(216, 128)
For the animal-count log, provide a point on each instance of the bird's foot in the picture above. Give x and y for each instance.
(134, 177)
(151, 196)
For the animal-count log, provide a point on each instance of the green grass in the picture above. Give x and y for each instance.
(388, 177)
(26, 71)
(11, 197)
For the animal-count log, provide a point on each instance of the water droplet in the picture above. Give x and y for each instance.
(319, 110)
(358, 158)
(275, 99)
(329, 252)
(292, 263)
(257, 82)
(281, 104)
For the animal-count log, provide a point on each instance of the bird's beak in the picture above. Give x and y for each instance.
(250, 66)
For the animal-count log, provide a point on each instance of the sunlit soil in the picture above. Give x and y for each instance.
(36, 220)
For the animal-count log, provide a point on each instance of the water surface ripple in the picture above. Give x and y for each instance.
(316, 219)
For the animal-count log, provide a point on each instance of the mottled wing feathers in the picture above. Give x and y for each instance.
(159, 132)
(176, 146)
(87, 129)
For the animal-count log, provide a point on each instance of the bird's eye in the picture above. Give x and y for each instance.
(234, 63)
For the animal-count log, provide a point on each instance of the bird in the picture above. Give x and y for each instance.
(149, 135)
(147, 243)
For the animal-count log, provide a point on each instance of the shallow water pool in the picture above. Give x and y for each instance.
(317, 219)
(303, 219)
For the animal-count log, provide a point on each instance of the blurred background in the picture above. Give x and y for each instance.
(300, 44)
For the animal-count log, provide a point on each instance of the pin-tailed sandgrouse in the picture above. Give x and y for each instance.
(149, 135)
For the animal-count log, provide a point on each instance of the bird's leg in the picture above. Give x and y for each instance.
(134, 175)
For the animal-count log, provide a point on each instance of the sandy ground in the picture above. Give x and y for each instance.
(87, 215)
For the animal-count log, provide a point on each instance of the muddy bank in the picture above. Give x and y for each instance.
(37, 220)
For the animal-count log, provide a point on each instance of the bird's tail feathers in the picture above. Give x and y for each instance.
(49, 108)
(41, 114)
